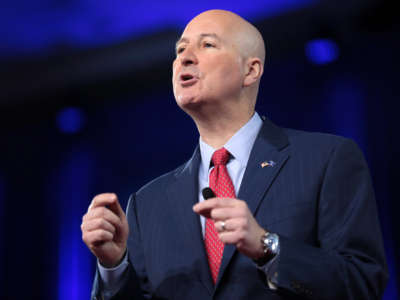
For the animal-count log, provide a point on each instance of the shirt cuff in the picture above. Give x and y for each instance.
(269, 269)
(112, 278)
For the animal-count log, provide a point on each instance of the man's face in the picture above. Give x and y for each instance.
(208, 67)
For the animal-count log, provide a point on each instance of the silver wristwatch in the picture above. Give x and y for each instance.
(270, 244)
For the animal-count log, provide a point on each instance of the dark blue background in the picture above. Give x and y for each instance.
(87, 107)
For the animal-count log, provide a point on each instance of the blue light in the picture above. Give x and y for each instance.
(72, 186)
(322, 51)
(70, 120)
(346, 107)
(41, 26)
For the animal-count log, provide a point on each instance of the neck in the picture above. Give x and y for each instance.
(216, 129)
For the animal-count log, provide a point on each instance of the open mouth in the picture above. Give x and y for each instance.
(187, 79)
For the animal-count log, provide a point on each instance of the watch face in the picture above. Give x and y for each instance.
(272, 242)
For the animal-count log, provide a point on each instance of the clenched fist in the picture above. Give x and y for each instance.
(105, 229)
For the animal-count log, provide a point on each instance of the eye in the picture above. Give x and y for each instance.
(180, 50)
(208, 45)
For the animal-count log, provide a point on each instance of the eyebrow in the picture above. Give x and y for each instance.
(202, 36)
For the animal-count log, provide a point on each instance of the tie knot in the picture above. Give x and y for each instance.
(220, 157)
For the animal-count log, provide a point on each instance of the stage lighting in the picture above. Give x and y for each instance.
(322, 51)
(70, 120)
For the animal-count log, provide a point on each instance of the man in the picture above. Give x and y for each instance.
(291, 214)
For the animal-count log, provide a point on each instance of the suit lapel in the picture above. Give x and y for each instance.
(271, 147)
(183, 194)
(266, 159)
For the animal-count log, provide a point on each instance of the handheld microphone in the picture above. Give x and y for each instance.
(207, 193)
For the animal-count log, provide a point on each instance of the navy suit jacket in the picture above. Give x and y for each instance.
(317, 197)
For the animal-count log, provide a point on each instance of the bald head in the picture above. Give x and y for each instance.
(218, 65)
(244, 36)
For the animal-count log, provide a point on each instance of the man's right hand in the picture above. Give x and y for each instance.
(105, 229)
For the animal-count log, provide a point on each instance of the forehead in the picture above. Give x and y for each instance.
(185, 39)
(200, 28)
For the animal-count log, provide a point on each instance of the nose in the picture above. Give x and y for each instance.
(188, 57)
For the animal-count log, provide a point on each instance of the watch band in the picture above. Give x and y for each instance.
(270, 244)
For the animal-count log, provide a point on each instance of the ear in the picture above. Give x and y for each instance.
(253, 70)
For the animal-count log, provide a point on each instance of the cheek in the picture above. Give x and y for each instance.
(174, 70)
(173, 76)
(175, 85)
(230, 75)
(229, 67)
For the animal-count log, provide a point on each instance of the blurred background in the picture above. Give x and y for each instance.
(86, 106)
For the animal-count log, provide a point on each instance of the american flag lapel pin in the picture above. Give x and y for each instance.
(269, 163)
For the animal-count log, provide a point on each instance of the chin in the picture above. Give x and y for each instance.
(187, 102)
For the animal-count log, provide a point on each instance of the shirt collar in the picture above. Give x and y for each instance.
(239, 145)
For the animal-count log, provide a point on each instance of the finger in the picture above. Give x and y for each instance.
(225, 213)
(93, 238)
(234, 224)
(117, 209)
(103, 200)
(98, 223)
(103, 213)
(231, 237)
(221, 226)
(204, 207)
(204, 212)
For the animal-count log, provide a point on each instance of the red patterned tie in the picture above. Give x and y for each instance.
(222, 185)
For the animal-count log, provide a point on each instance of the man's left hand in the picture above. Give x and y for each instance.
(240, 227)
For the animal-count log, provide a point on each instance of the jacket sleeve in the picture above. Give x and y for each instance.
(135, 283)
(348, 262)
